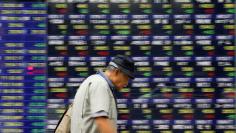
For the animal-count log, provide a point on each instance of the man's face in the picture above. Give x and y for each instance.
(120, 79)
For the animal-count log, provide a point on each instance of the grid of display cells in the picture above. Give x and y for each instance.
(184, 53)
(23, 95)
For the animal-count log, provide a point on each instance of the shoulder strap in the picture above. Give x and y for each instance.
(86, 93)
(70, 106)
(67, 109)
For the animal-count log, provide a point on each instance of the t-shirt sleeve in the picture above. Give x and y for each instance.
(99, 114)
(99, 98)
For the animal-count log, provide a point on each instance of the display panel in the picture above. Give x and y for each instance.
(23, 55)
(184, 52)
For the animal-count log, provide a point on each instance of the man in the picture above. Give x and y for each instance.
(94, 107)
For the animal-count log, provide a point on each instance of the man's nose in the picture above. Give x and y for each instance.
(126, 84)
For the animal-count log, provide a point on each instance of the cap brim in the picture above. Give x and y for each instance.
(127, 72)
(131, 75)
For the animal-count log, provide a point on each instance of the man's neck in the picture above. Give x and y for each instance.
(109, 76)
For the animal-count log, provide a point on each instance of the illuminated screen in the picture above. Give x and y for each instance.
(184, 51)
(23, 67)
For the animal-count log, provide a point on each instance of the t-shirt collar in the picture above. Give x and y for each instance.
(107, 79)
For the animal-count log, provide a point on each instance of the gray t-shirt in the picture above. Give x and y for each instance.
(93, 99)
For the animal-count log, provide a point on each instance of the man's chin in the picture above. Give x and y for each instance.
(119, 88)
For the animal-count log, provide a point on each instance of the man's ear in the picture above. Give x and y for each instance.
(117, 71)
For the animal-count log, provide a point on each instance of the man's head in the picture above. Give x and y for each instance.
(120, 70)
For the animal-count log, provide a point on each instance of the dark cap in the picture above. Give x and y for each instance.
(125, 64)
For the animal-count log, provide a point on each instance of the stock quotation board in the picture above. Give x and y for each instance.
(23, 54)
(184, 51)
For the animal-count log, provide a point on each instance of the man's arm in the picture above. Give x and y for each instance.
(105, 125)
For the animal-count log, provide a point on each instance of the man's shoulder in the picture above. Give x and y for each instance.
(96, 78)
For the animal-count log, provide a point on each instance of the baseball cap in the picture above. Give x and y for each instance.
(125, 64)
